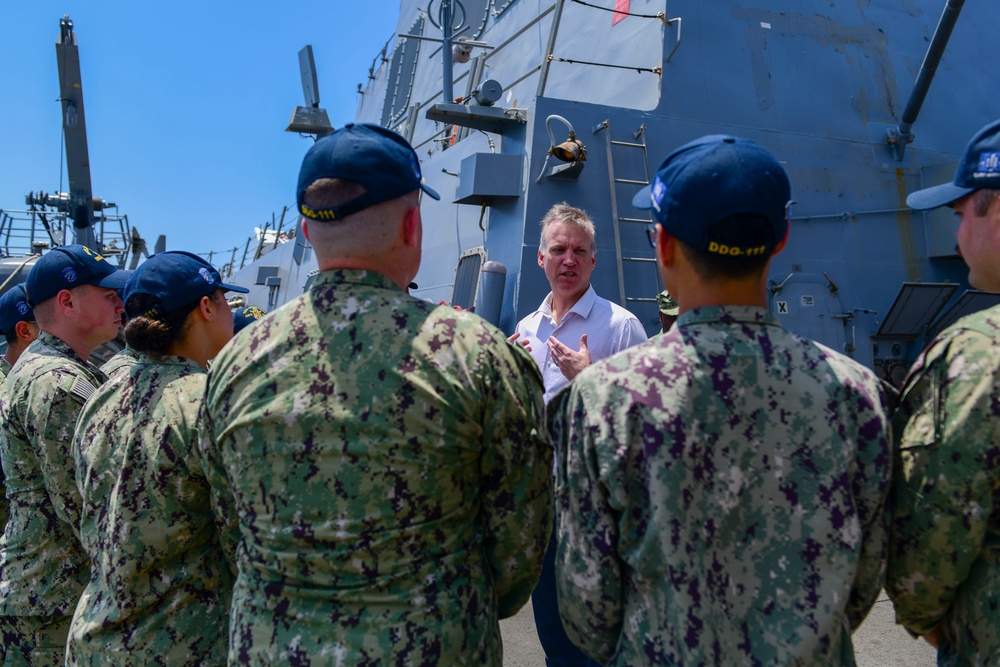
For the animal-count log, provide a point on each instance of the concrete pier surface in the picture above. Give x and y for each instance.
(879, 642)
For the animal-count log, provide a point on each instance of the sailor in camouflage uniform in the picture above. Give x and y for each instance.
(386, 456)
(720, 488)
(244, 316)
(42, 566)
(17, 322)
(120, 362)
(126, 357)
(944, 555)
(668, 311)
(160, 575)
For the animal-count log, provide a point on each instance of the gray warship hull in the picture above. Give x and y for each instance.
(822, 85)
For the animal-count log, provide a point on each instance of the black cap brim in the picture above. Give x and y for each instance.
(939, 195)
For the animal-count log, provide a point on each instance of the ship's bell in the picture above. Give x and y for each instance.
(571, 150)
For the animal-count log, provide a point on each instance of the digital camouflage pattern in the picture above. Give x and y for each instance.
(160, 579)
(944, 554)
(4, 505)
(123, 360)
(42, 565)
(391, 474)
(34, 641)
(720, 497)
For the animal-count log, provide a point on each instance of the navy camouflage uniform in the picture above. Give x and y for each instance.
(160, 575)
(720, 497)
(4, 505)
(120, 362)
(43, 568)
(944, 557)
(392, 478)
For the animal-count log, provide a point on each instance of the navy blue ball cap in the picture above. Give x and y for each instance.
(67, 267)
(978, 169)
(14, 308)
(721, 194)
(245, 316)
(370, 155)
(174, 279)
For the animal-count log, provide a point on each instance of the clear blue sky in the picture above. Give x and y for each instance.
(186, 104)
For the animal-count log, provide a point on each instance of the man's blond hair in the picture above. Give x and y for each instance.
(564, 213)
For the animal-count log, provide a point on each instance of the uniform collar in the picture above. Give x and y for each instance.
(356, 277)
(728, 315)
(168, 360)
(48, 340)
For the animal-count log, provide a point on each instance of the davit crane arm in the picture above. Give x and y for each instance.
(79, 203)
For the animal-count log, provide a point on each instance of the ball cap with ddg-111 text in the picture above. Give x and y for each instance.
(376, 158)
(721, 194)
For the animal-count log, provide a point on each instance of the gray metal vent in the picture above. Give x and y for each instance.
(467, 277)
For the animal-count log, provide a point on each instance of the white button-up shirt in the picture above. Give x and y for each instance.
(609, 328)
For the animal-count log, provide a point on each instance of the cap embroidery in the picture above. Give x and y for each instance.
(989, 164)
(658, 192)
(69, 275)
(204, 273)
(22, 307)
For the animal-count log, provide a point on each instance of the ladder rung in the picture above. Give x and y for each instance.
(641, 299)
(627, 143)
(638, 259)
(630, 181)
(639, 220)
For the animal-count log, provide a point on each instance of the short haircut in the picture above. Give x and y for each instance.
(329, 192)
(713, 267)
(365, 233)
(981, 200)
(10, 337)
(564, 213)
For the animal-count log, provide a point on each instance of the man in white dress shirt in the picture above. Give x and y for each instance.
(572, 328)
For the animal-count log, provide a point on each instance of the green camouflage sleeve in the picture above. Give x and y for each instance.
(943, 491)
(221, 493)
(517, 477)
(51, 411)
(592, 614)
(871, 485)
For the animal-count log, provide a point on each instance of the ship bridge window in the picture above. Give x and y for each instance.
(402, 70)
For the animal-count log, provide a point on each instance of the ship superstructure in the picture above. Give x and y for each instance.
(578, 101)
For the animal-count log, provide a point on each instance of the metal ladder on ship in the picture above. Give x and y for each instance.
(642, 295)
